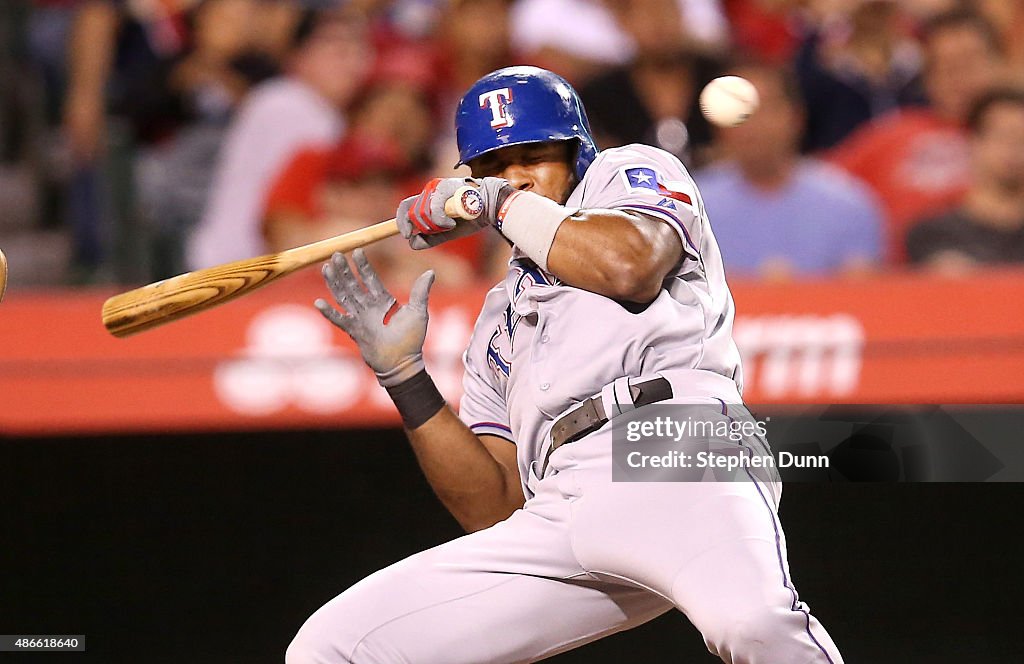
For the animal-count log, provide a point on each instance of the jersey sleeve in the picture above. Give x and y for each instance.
(483, 408)
(643, 179)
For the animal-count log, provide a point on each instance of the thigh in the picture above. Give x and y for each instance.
(711, 534)
(716, 550)
(510, 593)
(708, 541)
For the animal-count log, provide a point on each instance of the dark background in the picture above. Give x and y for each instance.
(216, 547)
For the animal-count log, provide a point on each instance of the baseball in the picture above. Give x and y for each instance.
(728, 101)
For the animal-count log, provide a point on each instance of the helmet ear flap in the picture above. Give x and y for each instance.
(572, 153)
(586, 152)
(578, 160)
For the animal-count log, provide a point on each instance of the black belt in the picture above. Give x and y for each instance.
(589, 416)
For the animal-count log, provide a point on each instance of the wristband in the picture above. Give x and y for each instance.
(417, 399)
(530, 221)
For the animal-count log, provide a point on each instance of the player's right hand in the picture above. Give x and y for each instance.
(394, 350)
(422, 218)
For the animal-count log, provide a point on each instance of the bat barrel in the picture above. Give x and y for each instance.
(186, 294)
(150, 306)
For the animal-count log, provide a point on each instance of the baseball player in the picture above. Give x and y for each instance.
(615, 299)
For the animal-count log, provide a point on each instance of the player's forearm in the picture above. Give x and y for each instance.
(471, 482)
(622, 255)
(613, 253)
(476, 478)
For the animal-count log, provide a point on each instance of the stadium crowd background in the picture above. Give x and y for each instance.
(142, 138)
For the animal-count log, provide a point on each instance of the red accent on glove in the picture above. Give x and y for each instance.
(419, 214)
(391, 312)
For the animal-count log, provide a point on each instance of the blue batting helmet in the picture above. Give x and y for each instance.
(518, 105)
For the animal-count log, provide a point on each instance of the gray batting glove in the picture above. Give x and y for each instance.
(393, 350)
(423, 221)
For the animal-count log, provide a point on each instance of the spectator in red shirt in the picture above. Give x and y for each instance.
(916, 159)
(358, 182)
(327, 192)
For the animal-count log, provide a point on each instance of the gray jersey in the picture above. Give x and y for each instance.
(540, 346)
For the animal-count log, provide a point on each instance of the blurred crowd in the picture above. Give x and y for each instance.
(142, 138)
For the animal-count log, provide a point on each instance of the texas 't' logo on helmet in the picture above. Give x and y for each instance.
(497, 101)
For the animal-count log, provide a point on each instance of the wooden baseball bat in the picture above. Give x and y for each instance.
(186, 294)
(3, 275)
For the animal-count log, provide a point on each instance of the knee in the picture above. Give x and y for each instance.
(310, 647)
(314, 646)
(304, 651)
(753, 634)
(750, 637)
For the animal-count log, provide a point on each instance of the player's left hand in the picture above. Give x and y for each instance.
(422, 218)
(394, 350)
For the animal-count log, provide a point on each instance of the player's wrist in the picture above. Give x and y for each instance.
(504, 190)
(403, 371)
(494, 191)
(531, 221)
(416, 398)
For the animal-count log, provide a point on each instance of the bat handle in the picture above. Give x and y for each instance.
(3, 275)
(466, 203)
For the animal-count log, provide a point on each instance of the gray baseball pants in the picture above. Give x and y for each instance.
(584, 558)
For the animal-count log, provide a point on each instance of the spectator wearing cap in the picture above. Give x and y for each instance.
(764, 31)
(776, 214)
(988, 228)
(399, 102)
(302, 203)
(359, 181)
(392, 122)
(302, 108)
(916, 159)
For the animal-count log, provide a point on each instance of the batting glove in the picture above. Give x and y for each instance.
(394, 350)
(422, 218)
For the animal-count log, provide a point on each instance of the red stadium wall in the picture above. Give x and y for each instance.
(268, 361)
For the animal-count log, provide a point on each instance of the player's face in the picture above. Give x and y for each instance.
(543, 168)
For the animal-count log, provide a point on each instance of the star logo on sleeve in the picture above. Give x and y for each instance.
(640, 179)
